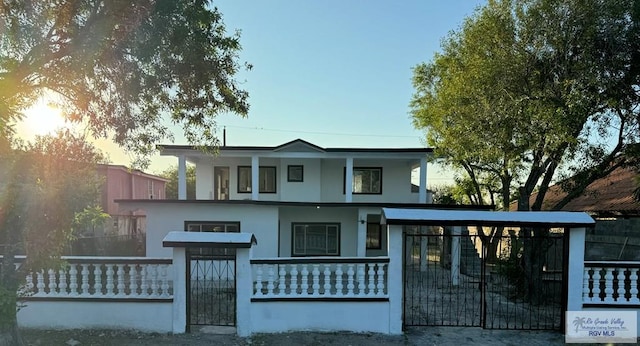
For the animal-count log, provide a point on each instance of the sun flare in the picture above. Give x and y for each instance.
(42, 118)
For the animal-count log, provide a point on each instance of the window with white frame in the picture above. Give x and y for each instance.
(366, 180)
(266, 179)
(315, 239)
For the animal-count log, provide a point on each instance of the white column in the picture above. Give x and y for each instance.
(455, 255)
(394, 276)
(422, 192)
(255, 176)
(182, 177)
(244, 290)
(362, 234)
(576, 267)
(348, 181)
(179, 290)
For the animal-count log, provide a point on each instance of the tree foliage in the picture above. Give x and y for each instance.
(171, 188)
(46, 184)
(528, 87)
(126, 69)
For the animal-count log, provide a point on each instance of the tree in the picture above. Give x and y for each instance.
(530, 88)
(46, 185)
(126, 69)
(171, 188)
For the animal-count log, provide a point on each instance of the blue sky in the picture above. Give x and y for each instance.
(336, 73)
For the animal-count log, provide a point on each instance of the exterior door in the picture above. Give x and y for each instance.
(221, 183)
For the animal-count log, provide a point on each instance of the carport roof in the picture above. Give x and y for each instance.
(434, 217)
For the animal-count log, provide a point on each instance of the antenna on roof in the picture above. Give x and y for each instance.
(224, 136)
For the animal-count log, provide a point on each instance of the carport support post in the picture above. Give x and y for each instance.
(394, 278)
(455, 255)
(179, 290)
(244, 290)
(577, 238)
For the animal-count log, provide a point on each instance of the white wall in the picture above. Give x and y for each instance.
(309, 189)
(283, 316)
(204, 181)
(396, 181)
(163, 218)
(346, 217)
(69, 314)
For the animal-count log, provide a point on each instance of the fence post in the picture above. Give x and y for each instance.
(576, 267)
(179, 290)
(455, 255)
(395, 281)
(244, 291)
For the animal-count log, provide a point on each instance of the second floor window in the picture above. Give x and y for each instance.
(266, 179)
(366, 180)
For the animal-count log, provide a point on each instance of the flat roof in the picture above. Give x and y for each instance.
(435, 217)
(209, 239)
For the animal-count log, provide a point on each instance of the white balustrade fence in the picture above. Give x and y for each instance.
(320, 277)
(610, 283)
(104, 277)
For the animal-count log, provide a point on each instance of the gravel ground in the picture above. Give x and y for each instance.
(415, 336)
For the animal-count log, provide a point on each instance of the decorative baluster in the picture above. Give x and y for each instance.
(380, 279)
(305, 281)
(29, 283)
(633, 285)
(53, 287)
(164, 280)
(62, 285)
(120, 281)
(84, 279)
(281, 281)
(361, 282)
(110, 286)
(153, 272)
(133, 280)
(327, 280)
(144, 283)
(596, 285)
(620, 291)
(258, 280)
(40, 284)
(97, 280)
(73, 279)
(371, 277)
(293, 285)
(270, 278)
(339, 278)
(350, 274)
(608, 285)
(585, 286)
(316, 279)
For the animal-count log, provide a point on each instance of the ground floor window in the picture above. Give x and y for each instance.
(315, 239)
(213, 226)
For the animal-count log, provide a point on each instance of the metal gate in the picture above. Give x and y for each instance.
(484, 279)
(211, 287)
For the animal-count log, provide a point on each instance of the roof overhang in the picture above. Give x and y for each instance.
(433, 217)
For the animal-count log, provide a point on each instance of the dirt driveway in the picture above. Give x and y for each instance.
(415, 336)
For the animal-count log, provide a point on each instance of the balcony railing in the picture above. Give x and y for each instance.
(320, 278)
(610, 283)
(104, 277)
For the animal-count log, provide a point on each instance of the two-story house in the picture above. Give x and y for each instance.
(298, 199)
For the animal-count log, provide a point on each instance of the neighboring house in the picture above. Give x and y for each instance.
(291, 196)
(121, 182)
(610, 202)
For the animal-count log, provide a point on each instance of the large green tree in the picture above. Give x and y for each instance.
(528, 89)
(127, 70)
(46, 184)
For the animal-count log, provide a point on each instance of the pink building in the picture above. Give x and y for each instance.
(121, 182)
